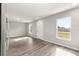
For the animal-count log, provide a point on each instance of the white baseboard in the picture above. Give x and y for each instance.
(66, 46)
(73, 48)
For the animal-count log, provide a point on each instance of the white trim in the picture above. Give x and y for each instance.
(76, 49)
(64, 45)
(57, 31)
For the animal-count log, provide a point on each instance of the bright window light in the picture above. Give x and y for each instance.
(63, 26)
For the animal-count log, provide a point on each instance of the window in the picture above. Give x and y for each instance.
(63, 26)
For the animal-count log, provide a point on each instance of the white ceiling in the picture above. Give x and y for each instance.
(26, 12)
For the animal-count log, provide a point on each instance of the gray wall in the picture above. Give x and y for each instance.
(17, 29)
(50, 28)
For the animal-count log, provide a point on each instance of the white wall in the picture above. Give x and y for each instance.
(34, 30)
(17, 29)
(50, 28)
(39, 28)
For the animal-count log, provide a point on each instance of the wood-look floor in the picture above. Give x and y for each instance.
(26, 46)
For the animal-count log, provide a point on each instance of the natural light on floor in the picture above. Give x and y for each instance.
(18, 39)
(61, 52)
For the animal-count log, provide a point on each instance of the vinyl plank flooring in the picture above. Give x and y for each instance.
(43, 51)
(26, 46)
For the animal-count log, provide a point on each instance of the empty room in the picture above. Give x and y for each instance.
(39, 29)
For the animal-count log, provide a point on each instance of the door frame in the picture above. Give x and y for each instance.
(0, 29)
(3, 29)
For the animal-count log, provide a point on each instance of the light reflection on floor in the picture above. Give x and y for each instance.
(62, 52)
(28, 40)
(18, 39)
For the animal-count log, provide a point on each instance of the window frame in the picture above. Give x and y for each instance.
(69, 29)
